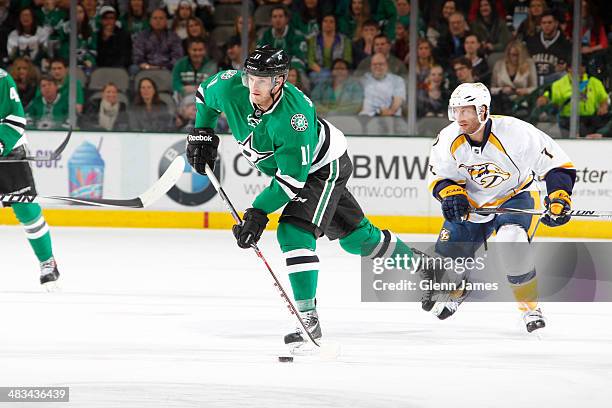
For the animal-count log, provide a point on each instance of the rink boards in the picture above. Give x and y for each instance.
(389, 180)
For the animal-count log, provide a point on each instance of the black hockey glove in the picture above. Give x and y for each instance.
(455, 205)
(253, 224)
(201, 149)
(558, 204)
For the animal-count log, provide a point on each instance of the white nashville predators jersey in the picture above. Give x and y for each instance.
(512, 155)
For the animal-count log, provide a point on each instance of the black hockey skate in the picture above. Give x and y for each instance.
(311, 321)
(445, 309)
(49, 274)
(534, 320)
(442, 304)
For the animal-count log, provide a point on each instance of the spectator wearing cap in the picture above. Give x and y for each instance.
(183, 13)
(281, 35)
(192, 69)
(594, 103)
(157, 47)
(114, 43)
(549, 49)
(384, 92)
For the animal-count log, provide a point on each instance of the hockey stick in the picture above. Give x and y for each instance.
(213, 179)
(53, 156)
(157, 190)
(573, 213)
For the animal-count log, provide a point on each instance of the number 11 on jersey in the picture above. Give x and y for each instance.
(305, 154)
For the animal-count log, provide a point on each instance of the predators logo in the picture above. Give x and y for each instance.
(488, 175)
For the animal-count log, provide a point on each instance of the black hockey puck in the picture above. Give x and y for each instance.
(285, 359)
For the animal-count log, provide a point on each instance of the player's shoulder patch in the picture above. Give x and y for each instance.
(299, 122)
(228, 74)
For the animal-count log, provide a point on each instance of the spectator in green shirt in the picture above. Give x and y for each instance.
(340, 94)
(594, 103)
(327, 46)
(49, 109)
(59, 72)
(192, 69)
(282, 36)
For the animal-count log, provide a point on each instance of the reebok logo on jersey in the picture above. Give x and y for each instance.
(488, 175)
(200, 138)
(299, 199)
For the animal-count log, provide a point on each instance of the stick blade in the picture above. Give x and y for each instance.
(165, 182)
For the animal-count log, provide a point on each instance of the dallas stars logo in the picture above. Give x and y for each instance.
(251, 154)
(253, 121)
(299, 122)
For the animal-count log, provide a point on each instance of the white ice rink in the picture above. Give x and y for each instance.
(173, 318)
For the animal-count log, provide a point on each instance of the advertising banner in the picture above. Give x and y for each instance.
(389, 173)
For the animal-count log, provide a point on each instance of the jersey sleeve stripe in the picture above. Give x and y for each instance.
(16, 119)
(19, 128)
(290, 181)
(199, 96)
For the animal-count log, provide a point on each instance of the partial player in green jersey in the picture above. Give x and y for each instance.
(16, 178)
(278, 132)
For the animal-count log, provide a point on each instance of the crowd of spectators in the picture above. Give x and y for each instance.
(350, 56)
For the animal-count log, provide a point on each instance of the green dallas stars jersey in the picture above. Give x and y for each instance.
(12, 118)
(287, 142)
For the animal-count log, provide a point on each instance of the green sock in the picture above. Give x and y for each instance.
(368, 240)
(36, 229)
(298, 246)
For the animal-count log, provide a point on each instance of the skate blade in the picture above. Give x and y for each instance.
(51, 286)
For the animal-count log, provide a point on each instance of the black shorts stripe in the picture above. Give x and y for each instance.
(326, 142)
(14, 123)
(302, 260)
(385, 245)
(293, 189)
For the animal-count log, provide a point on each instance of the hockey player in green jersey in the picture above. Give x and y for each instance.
(278, 132)
(16, 178)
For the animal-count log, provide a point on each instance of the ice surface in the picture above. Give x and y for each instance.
(183, 318)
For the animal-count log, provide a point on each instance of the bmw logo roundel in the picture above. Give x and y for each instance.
(192, 189)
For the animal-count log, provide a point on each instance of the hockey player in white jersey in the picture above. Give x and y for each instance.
(486, 161)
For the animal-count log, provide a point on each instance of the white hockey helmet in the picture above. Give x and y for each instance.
(470, 94)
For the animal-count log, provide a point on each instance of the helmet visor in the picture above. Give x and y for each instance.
(260, 84)
(468, 112)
